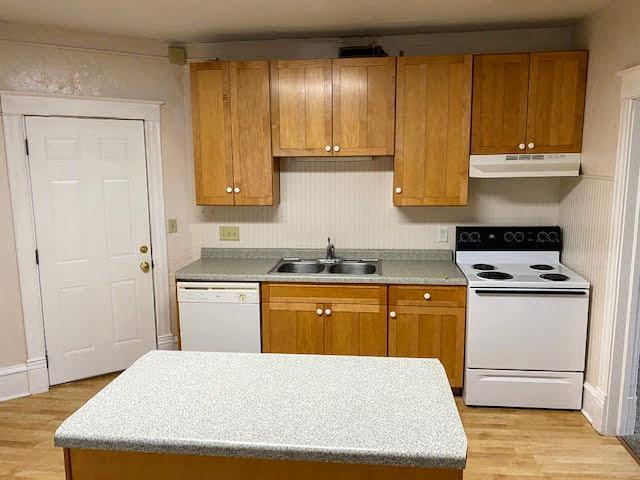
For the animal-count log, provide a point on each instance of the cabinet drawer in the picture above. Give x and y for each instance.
(427, 295)
(331, 293)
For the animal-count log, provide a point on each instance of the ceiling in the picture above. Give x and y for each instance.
(210, 20)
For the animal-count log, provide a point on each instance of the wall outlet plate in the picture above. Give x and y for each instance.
(230, 233)
(172, 225)
(443, 233)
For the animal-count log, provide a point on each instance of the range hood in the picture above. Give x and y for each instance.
(525, 165)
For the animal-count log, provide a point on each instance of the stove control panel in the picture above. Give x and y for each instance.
(509, 238)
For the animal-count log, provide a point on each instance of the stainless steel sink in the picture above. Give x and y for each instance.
(297, 266)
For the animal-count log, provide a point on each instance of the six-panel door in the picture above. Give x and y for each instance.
(364, 106)
(431, 163)
(301, 108)
(429, 332)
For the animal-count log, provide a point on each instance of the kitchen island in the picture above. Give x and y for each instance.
(239, 416)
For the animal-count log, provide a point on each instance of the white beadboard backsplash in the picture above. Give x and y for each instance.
(350, 200)
(585, 213)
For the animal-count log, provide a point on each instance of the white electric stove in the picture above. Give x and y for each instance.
(527, 318)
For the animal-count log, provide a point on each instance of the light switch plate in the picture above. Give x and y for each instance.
(172, 225)
(443, 233)
(230, 233)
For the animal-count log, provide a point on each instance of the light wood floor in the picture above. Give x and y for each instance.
(504, 444)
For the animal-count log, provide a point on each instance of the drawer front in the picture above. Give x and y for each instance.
(331, 293)
(427, 295)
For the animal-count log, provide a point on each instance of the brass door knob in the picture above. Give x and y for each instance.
(144, 249)
(144, 266)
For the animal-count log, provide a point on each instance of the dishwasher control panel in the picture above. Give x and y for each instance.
(209, 292)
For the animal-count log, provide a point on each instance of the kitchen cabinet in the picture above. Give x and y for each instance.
(231, 134)
(428, 321)
(330, 319)
(340, 107)
(433, 115)
(528, 103)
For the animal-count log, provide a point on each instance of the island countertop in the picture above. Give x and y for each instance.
(359, 410)
(426, 267)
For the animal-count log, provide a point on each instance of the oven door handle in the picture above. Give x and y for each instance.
(530, 292)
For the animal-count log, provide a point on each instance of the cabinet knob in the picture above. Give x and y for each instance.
(229, 189)
(336, 148)
(398, 190)
(522, 146)
(236, 190)
(427, 296)
(531, 145)
(327, 312)
(392, 314)
(319, 311)
(327, 148)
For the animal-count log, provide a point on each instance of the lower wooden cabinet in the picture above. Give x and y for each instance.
(353, 329)
(436, 332)
(292, 328)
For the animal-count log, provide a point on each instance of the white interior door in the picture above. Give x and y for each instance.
(89, 186)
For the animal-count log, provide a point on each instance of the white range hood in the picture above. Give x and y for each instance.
(525, 165)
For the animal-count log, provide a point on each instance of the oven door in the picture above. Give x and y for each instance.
(527, 329)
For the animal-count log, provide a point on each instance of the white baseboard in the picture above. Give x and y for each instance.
(14, 382)
(38, 375)
(593, 405)
(167, 342)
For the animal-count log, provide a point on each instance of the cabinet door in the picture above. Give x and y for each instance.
(431, 165)
(556, 102)
(500, 89)
(351, 329)
(211, 124)
(253, 166)
(429, 332)
(292, 328)
(301, 107)
(364, 106)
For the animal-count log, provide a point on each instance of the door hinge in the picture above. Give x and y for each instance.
(26, 145)
(37, 258)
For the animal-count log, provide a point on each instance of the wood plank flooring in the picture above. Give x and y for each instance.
(504, 444)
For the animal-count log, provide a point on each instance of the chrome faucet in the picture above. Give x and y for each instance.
(331, 250)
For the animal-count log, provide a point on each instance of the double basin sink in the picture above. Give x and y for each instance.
(333, 266)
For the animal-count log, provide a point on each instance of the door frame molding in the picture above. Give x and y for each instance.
(14, 106)
(621, 333)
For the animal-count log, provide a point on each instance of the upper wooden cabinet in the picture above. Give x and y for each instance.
(433, 116)
(341, 107)
(528, 103)
(231, 133)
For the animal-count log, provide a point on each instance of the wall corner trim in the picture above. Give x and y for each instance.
(593, 400)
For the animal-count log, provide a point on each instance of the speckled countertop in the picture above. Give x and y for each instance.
(368, 410)
(427, 267)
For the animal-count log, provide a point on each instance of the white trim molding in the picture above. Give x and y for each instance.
(619, 357)
(167, 342)
(14, 106)
(13, 382)
(593, 405)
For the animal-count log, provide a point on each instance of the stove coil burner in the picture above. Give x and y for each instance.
(495, 275)
(483, 266)
(542, 266)
(555, 277)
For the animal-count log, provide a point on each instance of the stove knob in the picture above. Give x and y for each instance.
(519, 236)
(475, 237)
(553, 237)
(464, 237)
(542, 237)
(509, 236)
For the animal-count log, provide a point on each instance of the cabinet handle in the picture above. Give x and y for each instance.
(327, 312)
(392, 314)
(327, 148)
(236, 190)
(398, 190)
(229, 190)
(522, 146)
(427, 296)
(531, 145)
(336, 148)
(319, 311)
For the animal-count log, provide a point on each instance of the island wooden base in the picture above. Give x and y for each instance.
(83, 464)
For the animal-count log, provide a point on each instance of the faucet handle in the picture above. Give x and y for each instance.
(329, 240)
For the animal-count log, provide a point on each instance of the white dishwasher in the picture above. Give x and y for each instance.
(219, 317)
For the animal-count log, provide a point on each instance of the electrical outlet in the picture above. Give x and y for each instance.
(172, 225)
(443, 234)
(228, 233)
